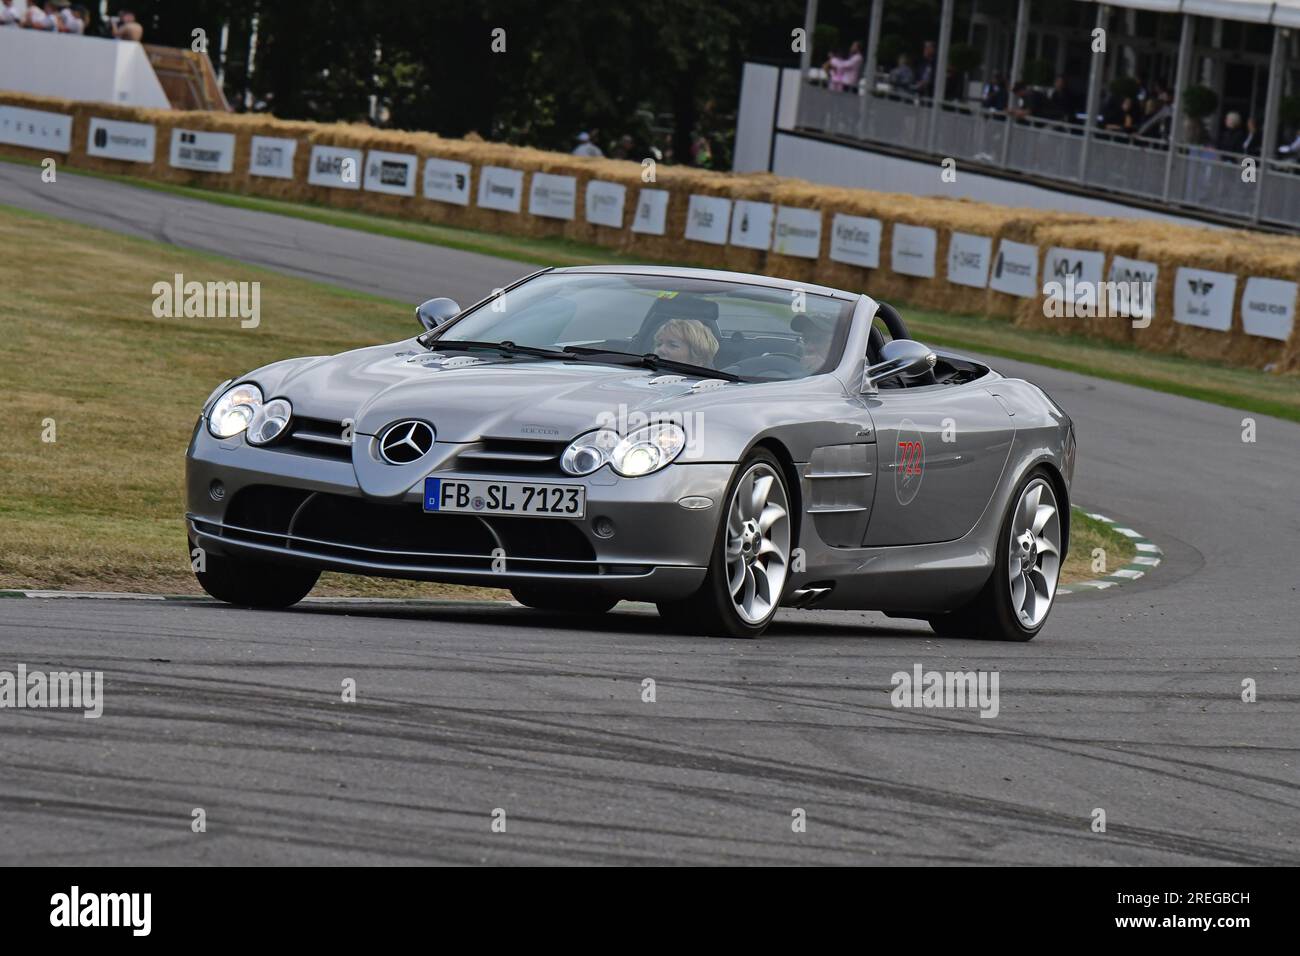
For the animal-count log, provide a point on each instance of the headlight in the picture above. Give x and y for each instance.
(648, 449)
(235, 410)
(588, 452)
(269, 421)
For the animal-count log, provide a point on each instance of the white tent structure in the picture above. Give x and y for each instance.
(78, 68)
(1177, 171)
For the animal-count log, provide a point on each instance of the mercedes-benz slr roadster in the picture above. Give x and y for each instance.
(718, 444)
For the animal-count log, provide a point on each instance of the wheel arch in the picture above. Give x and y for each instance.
(1062, 491)
(782, 454)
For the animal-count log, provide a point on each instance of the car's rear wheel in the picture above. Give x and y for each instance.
(566, 600)
(750, 559)
(254, 583)
(1014, 604)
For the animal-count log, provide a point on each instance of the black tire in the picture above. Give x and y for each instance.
(710, 610)
(567, 601)
(990, 615)
(257, 584)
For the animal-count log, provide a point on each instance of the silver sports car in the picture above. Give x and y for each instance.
(719, 444)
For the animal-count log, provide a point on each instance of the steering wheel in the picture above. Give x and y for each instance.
(784, 365)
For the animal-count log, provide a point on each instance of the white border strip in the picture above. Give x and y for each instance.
(1148, 557)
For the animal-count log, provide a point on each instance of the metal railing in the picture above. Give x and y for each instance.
(1199, 177)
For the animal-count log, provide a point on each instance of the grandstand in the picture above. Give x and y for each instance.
(1171, 52)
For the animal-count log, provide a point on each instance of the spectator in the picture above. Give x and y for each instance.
(1059, 104)
(701, 152)
(1292, 150)
(1159, 113)
(624, 149)
(125, 27)
(8, 15)
(1028, 101)
(1250, 144)
(585, 146)
(925, 82)
(901, 77)
(37, 19)
(845, 72)
(68, 20)
(1232, 138)
(1122, 118)
(995, 94)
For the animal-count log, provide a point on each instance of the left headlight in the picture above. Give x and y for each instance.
(648, 449)
(234, 410)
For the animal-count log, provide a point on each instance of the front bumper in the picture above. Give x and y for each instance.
(279, 506)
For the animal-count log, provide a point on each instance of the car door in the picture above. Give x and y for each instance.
(942, 449)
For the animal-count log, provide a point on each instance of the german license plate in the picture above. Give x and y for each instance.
(476, 496)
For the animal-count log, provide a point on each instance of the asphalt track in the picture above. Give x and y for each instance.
(1129, 701)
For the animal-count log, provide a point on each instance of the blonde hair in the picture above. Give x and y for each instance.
(699, 340)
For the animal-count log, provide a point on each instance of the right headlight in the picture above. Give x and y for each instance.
(234, 410)
(588, 452)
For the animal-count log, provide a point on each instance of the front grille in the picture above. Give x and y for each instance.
(400, 534)
(316, 438)
(512, 456)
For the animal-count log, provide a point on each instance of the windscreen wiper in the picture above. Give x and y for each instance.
(651, 361)
(505, 348)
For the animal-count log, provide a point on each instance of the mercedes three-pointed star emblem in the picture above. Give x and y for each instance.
(405, 442)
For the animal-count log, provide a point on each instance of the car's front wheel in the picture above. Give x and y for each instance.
(750, 559)
(254, 583)
(1014, 604)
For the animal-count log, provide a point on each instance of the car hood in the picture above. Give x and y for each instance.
(467, 397)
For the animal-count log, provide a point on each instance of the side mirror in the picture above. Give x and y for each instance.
(898, 357)
(435, 312)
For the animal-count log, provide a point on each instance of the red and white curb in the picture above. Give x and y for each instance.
(1147, 558)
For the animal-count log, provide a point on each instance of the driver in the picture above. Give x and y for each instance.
(817, 332)
(686, 340)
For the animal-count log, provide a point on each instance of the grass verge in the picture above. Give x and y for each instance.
(1086, 535)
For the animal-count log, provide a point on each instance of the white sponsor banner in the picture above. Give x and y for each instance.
(751, 224)
(798, 232)
(1139, 276)
(1015, 269)
(604, 205)
(203, 151)
(1083, 264)
(272, 156)
(35, 129)
(552, 196)
(392, 173)
(855, 240)
(969, 259)
(707, 218)
(1204, 298)
(912, 250)
(446, 180)
(335, 167)
(501, 188)
(114, 139)
(651, 212)
(1268, 308)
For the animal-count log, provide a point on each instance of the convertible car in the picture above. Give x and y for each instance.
(719, 444)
